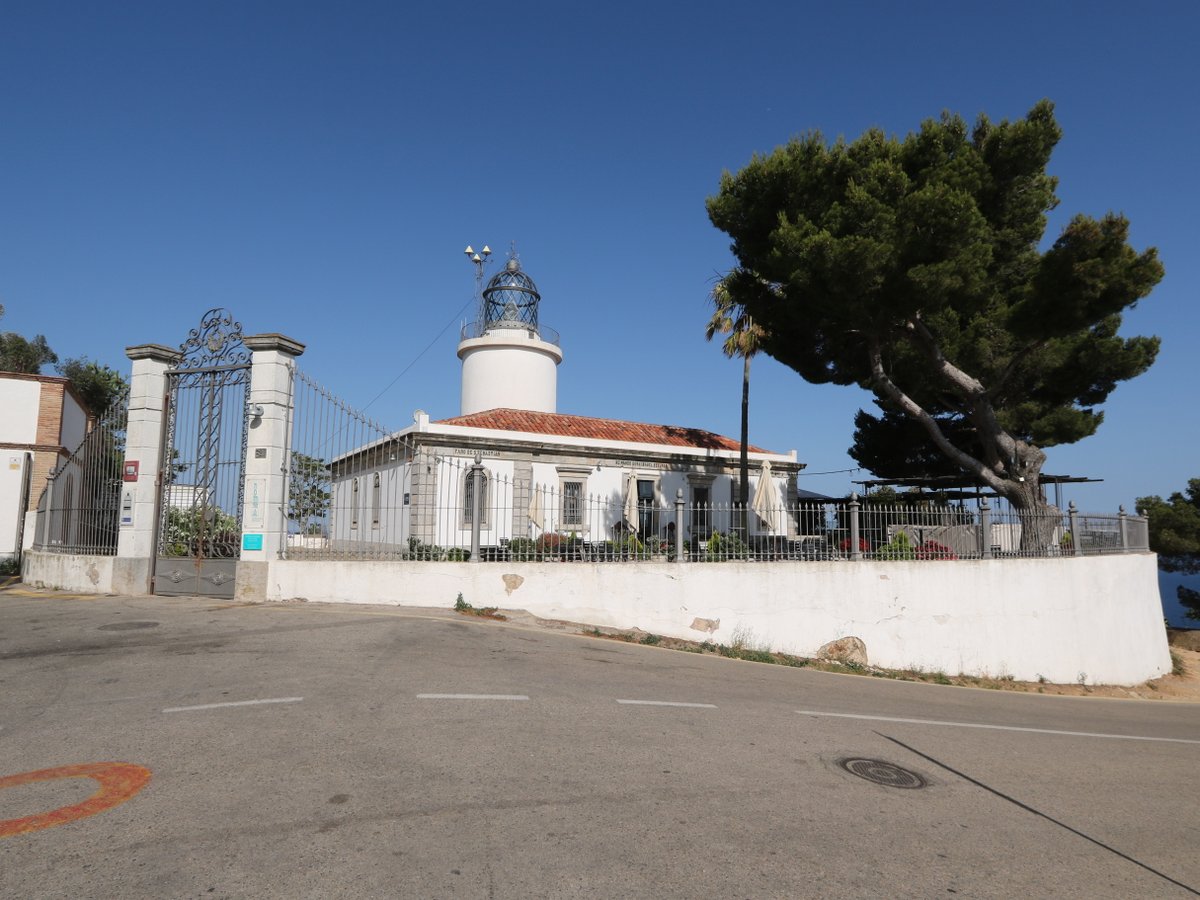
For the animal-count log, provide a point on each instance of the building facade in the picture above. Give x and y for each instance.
(43, 420)
(545, 475)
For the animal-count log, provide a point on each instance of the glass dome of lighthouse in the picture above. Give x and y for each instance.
(509, 359)
(511, 299)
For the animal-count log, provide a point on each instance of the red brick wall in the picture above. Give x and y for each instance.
(49, 429)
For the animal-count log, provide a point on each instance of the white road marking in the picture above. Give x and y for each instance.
(668, 703)
(1090, 734)
(175, 709)
(472, 697)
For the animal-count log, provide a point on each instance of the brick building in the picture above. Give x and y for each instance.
(42, 420)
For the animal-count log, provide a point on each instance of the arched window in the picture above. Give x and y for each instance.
(376, 492)
(485, 482)
(354, 503)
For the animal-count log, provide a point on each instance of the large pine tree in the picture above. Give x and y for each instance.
(912, 267)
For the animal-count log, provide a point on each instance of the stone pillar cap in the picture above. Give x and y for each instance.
(273, 341)
(156, 352)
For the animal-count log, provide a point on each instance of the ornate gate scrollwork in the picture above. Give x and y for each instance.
(204, 453)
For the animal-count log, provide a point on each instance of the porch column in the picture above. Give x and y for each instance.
(137, 536)
(269, 404)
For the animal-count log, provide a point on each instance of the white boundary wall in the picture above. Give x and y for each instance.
(1098, 618)
(68, 571)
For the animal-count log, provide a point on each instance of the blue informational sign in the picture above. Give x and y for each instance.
(252, 541)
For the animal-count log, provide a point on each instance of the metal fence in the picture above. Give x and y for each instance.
(357, 491)
(79, 508)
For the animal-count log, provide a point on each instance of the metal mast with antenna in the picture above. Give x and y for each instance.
(480, 260)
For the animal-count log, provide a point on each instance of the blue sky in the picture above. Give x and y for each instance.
(318, 169)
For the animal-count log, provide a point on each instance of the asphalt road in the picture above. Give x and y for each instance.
(422, 754)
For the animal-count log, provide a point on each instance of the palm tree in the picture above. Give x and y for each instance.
(743, 338)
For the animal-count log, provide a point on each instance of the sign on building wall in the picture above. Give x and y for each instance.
(256, 502)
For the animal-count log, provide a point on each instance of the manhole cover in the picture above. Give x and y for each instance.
(880, 772)
(127, 626)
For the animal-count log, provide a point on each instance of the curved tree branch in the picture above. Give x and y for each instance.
(915, 411)
(966, 386)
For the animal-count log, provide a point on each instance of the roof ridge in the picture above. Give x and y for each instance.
(505, 418)
(534, 412)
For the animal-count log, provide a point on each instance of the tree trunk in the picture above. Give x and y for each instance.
(741, 514)
(1040, 521)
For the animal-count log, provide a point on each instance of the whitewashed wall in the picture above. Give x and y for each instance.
(74, 423)
(19, 400)
(13, 464)
(1095, 618)
(393, 525)
(68, 572)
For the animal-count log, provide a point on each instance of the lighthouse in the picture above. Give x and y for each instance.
(509, 359)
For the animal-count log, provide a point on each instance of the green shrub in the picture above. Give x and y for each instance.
(899, 548)
(187, 528)
(723, 546)
(522, 549)
(424, 552)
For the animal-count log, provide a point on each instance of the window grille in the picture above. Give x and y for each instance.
(572, 504)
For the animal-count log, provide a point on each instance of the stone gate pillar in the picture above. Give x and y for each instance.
(265, 490)
(137, 536)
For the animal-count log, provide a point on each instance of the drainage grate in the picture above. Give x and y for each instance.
(880, 772)
(127, 626)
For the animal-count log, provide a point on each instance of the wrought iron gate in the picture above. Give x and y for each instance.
(204, 453)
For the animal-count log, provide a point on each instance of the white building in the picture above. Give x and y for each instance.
(545, 473)
(41, 421)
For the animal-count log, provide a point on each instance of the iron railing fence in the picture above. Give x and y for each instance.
(334, 452)
(359, 491)
(79, 509)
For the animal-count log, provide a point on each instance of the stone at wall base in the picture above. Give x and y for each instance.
(845, 650)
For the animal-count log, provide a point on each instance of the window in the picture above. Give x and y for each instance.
(354, 503)
(572, 493)
(376, 492)
(702, 512)
(647, 508)
(469, 497)
(571, 514)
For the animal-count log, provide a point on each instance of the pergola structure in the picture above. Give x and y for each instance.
(967, 488)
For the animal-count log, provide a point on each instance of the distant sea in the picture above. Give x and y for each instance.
(1173, 610)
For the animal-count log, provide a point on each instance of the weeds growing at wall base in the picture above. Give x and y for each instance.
(742, 647)
(486, 612)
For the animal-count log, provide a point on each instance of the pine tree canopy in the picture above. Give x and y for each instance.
(915, 267)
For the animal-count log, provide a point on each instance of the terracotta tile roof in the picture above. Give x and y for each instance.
(600, 429)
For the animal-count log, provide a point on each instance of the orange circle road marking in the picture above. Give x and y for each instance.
(118, 782)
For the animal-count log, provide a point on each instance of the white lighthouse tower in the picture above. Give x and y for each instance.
(509, 360)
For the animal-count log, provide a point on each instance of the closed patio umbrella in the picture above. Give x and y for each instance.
(536, 512)
(765, 503)
(631, 503)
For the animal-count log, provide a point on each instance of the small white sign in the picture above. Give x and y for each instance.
(126, 509)
(256, 502)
